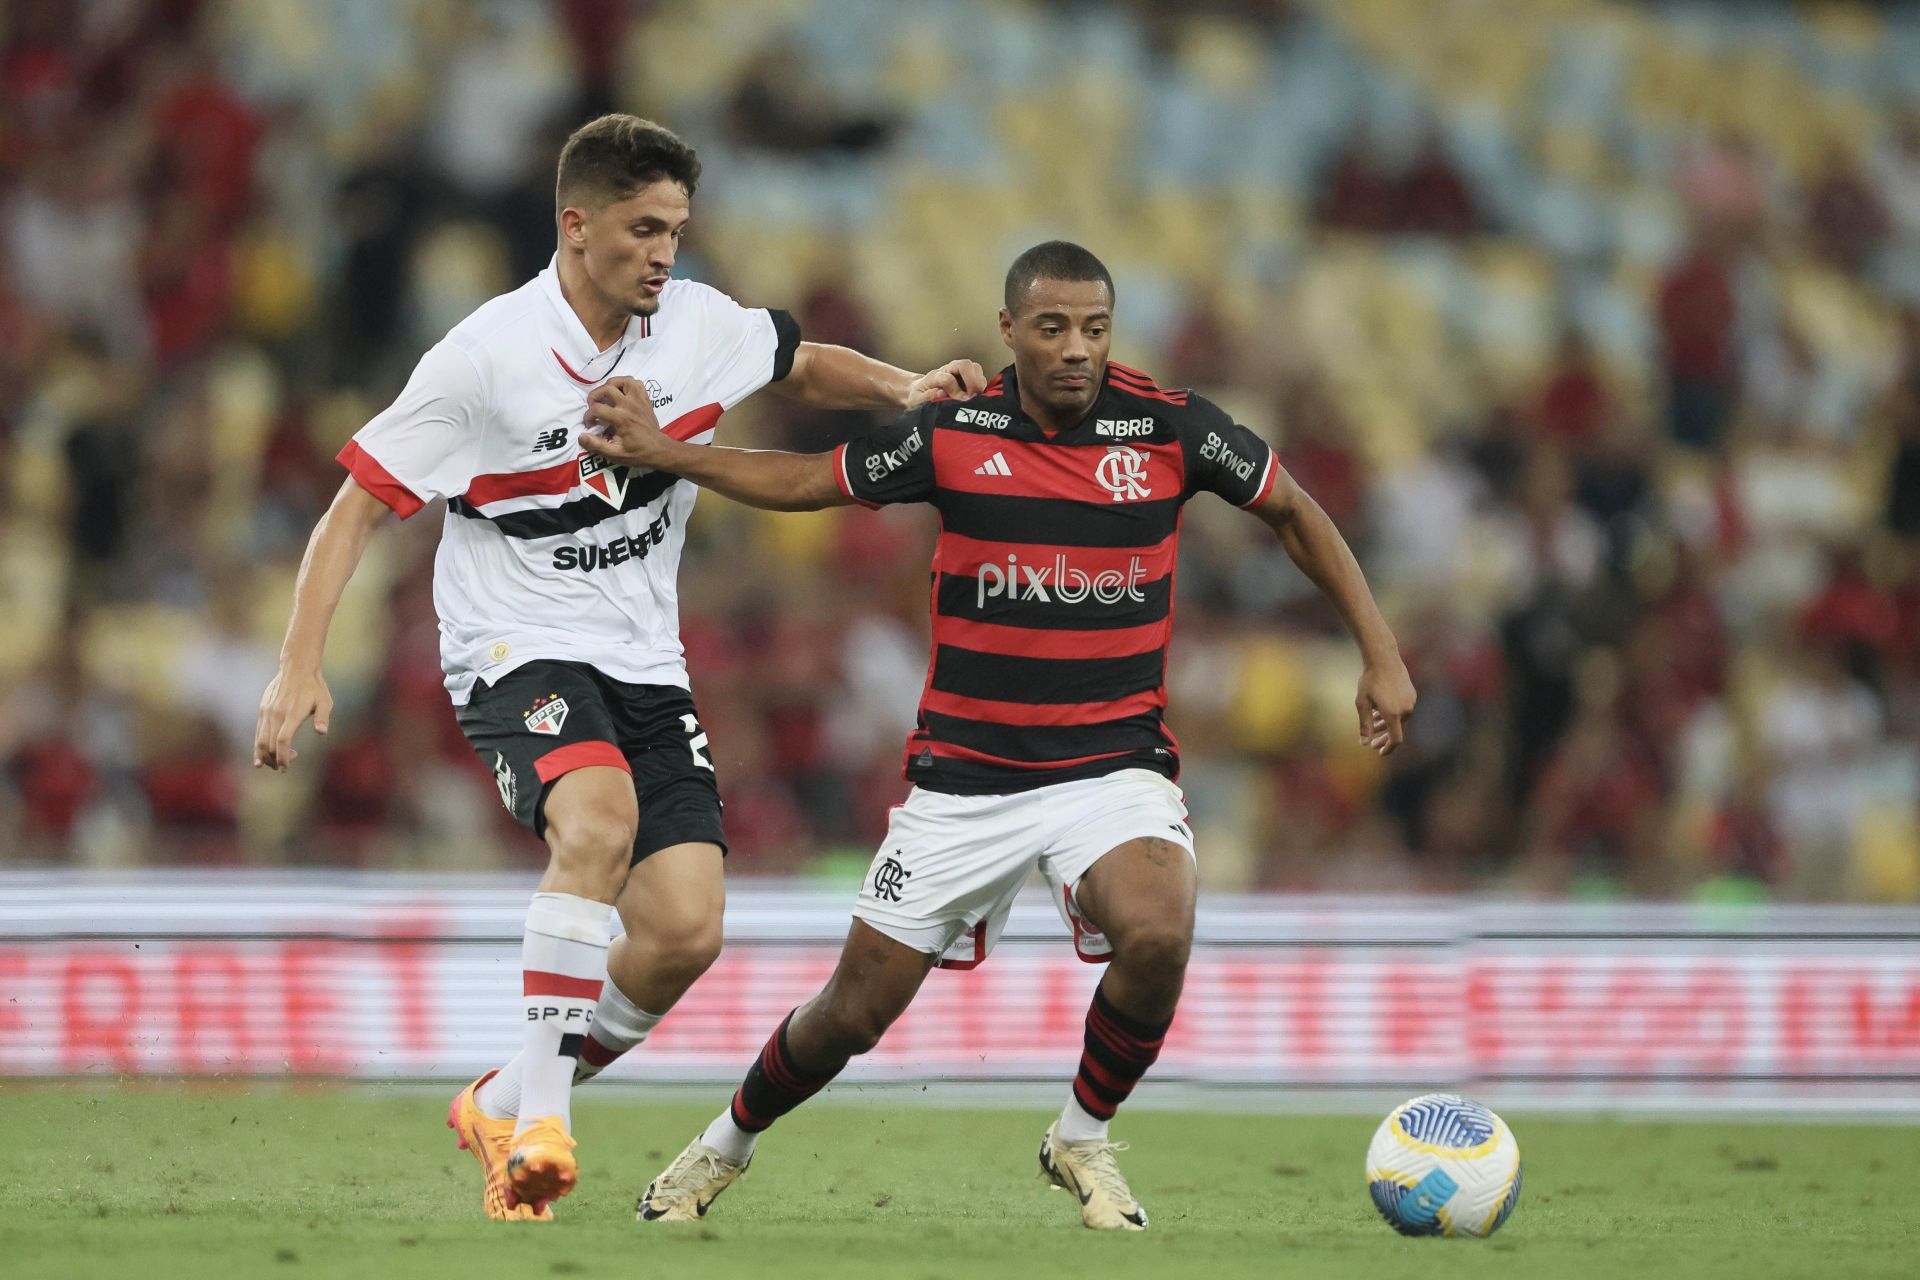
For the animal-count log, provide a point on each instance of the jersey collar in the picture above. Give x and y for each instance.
(577, 352)
(1010, 388)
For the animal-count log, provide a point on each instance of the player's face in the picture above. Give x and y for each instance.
(1060, 337)
(630, 245)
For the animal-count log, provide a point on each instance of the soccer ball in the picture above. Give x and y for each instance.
(1441, 1165)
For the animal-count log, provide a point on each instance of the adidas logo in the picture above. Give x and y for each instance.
(994, 466)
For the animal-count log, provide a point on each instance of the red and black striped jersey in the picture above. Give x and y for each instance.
(1053, 575)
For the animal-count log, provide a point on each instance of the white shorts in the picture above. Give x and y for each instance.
(946, 876)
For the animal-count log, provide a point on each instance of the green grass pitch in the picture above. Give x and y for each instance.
(221, 1183)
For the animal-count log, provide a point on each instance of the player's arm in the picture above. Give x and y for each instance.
(830, 377)
(1386, 695)
(622, 427)
(298, 690)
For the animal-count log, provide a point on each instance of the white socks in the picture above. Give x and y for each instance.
(564, 963)
(618, 1025)
(728, 1138)
(1077, 1126)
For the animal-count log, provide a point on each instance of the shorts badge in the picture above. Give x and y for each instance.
(547, 715)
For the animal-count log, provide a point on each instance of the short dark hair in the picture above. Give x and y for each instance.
(613, 157)
(1054, 260)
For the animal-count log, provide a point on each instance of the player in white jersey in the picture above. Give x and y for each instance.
(559, 618)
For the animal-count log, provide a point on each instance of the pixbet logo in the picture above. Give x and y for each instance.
(1058, 582)
(1124, 473)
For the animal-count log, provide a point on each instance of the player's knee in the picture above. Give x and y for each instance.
(1156, 947)
(855, 1028)
(689, 944)
(595, 838)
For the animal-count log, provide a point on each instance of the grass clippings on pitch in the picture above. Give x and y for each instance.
(227, 1184)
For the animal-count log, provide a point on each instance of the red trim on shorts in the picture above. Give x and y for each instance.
(979, 951)
(377, 480)
(534, 982)
(1080, 928)
(579, 755)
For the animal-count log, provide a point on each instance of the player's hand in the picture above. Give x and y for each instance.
(621, 425)
(954, 380)
(290, 699)
(1385, 701)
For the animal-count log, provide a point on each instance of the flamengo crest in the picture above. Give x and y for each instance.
(1124, 473)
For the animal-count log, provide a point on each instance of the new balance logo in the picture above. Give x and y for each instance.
(994, 466)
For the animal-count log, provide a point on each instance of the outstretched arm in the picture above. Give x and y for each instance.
(1386, 695)
(621, 427)
(298, 690)
(830, 377)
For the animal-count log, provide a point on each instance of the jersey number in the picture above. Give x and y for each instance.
(697, 742)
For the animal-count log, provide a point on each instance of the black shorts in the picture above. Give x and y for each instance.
(544, 720)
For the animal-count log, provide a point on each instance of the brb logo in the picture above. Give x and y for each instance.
(1046, 584)
(1124, 473)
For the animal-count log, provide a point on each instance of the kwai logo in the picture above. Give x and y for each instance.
(1058, 582)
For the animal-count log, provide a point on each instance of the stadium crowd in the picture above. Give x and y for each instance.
(1608, 367)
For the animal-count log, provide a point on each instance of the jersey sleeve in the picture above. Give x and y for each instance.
(1226, 458)
(889, 465)
(744, 348)
(426, 444)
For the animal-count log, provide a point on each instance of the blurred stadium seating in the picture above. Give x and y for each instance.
(1597, 328)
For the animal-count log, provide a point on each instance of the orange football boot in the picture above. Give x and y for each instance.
(541, 1167)
(491, 1142)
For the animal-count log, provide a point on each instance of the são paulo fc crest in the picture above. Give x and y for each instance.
(547, 715)
(608, 479)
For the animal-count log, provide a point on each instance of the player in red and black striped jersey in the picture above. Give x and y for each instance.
(1041, 741)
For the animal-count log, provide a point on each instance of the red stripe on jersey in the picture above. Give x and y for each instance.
(579, 755)
(957, 554)
(564, 476)
(993, 388)
(558, 478)
(1037, 470)
(1266, 481)
(841, 478)
(1030, 642)
(948, 750)
(570, 370)
(693, 422)
(535, 983)
(1139, 383)
(1042, 713)
(377, 480)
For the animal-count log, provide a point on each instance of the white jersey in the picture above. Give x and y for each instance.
(547, 552)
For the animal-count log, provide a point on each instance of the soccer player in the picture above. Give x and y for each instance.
(1040, 739)
(559, 624)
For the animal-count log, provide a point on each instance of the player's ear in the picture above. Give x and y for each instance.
(1006, 326)
(573, 226)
